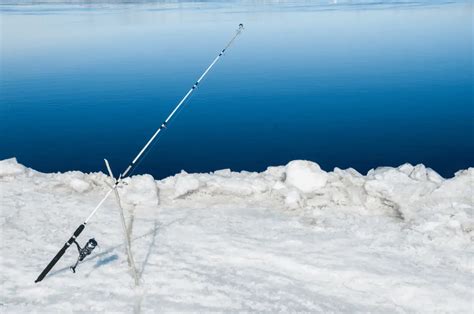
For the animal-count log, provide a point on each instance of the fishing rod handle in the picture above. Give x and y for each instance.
(60, 253)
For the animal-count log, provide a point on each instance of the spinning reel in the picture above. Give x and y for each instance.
(84, 252)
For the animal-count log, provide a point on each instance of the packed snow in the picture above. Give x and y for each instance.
(291, 238)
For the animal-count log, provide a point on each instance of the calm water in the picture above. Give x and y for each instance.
(344, 83)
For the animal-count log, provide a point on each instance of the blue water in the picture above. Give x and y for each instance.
(344, 83)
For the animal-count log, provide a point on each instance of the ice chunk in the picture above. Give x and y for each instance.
(223, 172)
(305, 175)
(79, 185)
(10, 167)
(140, 190)
(185, 184)
(433, 176)
(293, 200)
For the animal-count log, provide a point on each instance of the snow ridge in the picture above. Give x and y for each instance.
(415, 194)
(292, 238)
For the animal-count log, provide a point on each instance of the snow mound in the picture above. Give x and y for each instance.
(10, 167)
(185, 184)
(305, 175)
(293, 200)
(79, 185)
(139, 191)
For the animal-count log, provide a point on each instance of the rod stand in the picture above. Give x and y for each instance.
(128, 246)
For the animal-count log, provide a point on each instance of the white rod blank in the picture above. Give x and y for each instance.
(163, 125)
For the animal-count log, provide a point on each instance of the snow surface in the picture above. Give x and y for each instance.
(292, 238)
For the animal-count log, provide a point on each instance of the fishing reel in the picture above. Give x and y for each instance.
(84, 252)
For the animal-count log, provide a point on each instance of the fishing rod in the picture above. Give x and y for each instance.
(87, 249)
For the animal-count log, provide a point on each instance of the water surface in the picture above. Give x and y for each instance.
(344, 83)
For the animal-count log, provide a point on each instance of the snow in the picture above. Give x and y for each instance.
(305, 175)
(141, 192)
(79, 185)
(292, 238)
(9, 167)
(185, 185)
